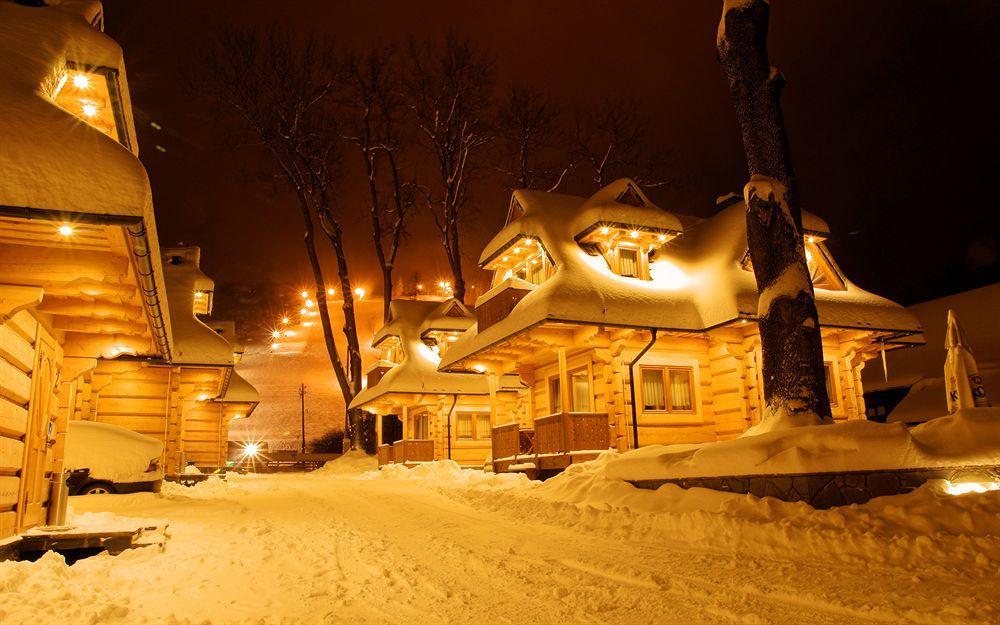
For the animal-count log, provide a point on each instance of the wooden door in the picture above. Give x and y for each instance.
(42, 413)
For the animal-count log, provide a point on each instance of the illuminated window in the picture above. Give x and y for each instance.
(823, 272)
(483, 429)
(472, 425)
(92, 95)
(580, 396)
(524, 259)
(667, 389)
(628, 262)
(420, 426)
(463, 425)
(392, 350)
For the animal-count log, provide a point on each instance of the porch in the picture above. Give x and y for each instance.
(406, 452)
(556, 441)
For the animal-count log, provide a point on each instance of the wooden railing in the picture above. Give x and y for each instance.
(414, 450)
(506, 440)
(384, 454)
(571, 431)
(497, 307)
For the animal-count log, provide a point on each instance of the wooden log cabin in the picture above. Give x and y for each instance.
(92, 326)
(630, 325)
(424, 414)
(81, 282)
(189, 400)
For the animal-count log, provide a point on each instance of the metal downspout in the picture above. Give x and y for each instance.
(631, 386)
(454, 401)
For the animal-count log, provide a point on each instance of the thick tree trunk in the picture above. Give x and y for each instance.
(794, 384)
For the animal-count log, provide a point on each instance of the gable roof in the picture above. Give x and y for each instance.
(700, 282)
(418, 372)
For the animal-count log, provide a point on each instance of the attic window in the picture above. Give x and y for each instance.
(823, 272)
(455, 311)
(626, 248)
(516, 211)
(175, 260)
(92, 95)
(631, 197)
(525, 259)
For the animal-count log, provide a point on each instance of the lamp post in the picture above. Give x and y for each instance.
(302, 404)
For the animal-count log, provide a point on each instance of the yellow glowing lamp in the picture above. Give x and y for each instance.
(66, 230)
(359, 292)
(81, 81)
(304, 294)
(276, 334)
(330, 291)
(303, 311)
(284, 320)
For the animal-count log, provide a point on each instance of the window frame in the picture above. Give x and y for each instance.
(420, 415)
(664, 371)
(553, 380)
(832, 383)
(475, 416)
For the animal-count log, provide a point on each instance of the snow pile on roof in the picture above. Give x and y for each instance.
(976, 311)
(418, 372)
(194, 342)
(354, 462)
(52, 159)
(926, 398)
(703, 285)
(969, 437)
(110, 452)
(448, 473)
(240, 391)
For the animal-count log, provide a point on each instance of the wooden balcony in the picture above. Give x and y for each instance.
(496, 304)
(555, 442)
(413, 451)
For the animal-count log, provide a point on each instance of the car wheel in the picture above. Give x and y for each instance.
(98, 488)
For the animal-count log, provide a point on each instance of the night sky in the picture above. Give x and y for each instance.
(891, 109)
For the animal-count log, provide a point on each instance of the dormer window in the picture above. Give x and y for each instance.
(524, 259)
(823, 272)
(92, 95)
(392, 350)
(440, 340)
(626, 248)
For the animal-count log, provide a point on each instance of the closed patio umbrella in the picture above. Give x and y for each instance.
(962, 381)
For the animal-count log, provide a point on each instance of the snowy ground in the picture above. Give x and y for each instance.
(438, 545)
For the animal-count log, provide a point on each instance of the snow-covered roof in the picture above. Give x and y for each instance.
(240, 391)
(418, 372)
(52, 162)
(976, 310)
(194, 342)
(699, 280)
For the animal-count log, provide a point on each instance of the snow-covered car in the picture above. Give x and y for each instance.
(103, 458)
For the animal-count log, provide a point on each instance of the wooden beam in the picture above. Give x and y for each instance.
(99, 326)
(23, 264)
(98, 310)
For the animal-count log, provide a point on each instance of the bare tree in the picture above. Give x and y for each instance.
(530, 141)
(612, 141)
(449, 90)
(283, 93)
(377, 132)
(794, 384)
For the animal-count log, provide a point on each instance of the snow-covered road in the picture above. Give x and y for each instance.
(328, 549)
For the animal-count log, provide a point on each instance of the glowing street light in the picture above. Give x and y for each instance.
(66, 230)
(276, 334)
(304, 294)
(331, 291)
(284, 320)
(359, 292)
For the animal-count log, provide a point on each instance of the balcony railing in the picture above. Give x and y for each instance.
(384, 454)
(494, 305)
(413, 450)
(555, 442)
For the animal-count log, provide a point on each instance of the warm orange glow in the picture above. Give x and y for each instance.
(276, 334)
(962, 488)
(330, 291)
(420, 287)
(310, 303)
(66, 230)
(284, 320)
(303, 311)
(289, 332)
(275, 345)
(89, 109)
(634, 234)
(81, 81)
(359, 292)
(199, 295)
(203, 397)
(479, 368)
(605, 230)
(304, 294)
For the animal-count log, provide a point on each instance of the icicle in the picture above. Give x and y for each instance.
(885, 364)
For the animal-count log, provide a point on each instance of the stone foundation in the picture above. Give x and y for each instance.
(828, 490)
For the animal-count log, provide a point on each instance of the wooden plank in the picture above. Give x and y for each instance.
(131, 406)
(15, 349)
(13, 419)
(8, 490)
(7, 520)
(15, 385)
(24, 324)
(11, 454)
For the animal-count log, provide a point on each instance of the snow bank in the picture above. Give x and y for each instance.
(926, 529)
(967, 437)
(448, 473)
(352, 463)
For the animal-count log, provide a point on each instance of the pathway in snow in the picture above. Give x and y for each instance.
(326, 548)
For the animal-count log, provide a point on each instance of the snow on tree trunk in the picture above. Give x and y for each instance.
(794, 383)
